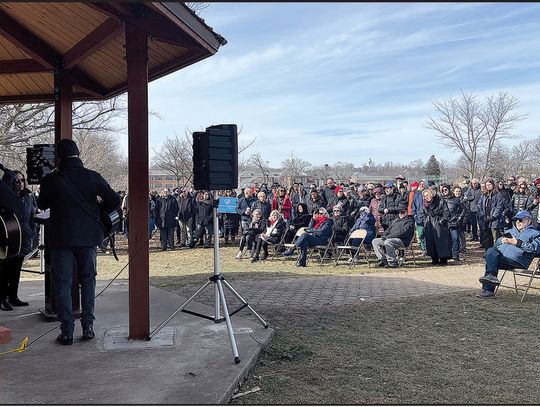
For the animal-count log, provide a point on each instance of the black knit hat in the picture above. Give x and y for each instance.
(66, 148)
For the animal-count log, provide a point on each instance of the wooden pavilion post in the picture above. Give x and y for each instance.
(137, 79)
(63, 105)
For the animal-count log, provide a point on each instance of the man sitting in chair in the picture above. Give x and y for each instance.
(398, 236)
(318, 233)
(517, 252)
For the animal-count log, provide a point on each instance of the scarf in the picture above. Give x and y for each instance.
(319, 222)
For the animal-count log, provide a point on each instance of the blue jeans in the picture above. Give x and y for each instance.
(454, 234)
(494, 261)
(64, 263)
(305, 241)
(151, 226)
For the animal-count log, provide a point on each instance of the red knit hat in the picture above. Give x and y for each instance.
(338, 188)
(415, 184)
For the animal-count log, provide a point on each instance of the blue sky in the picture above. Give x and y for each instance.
(351, 81)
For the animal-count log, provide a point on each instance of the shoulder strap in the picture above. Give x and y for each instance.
(66, 181)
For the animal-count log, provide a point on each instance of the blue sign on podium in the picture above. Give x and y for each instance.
(227, 204)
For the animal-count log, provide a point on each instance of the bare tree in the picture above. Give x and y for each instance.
(197, 7)
(342, 171)
(473, 128)
(256, 160)
(295, 167)
(175, 156)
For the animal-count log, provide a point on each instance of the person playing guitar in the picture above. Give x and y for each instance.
(71, 192)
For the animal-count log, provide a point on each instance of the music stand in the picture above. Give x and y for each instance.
(219, 296)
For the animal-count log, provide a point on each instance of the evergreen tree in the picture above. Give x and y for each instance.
(432, 168)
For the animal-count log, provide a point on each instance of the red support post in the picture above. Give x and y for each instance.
(137, 73)
(63, 106)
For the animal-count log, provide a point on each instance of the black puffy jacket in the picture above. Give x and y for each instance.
(457, 210)
(394, 203)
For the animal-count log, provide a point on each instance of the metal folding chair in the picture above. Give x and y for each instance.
(402, 253)
(324, 249)
(298, 233)
(531, 273)
(357, 234)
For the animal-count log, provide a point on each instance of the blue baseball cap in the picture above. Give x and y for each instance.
(522, 215)
(389, 184)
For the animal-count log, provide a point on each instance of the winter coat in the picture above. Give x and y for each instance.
(324, 231)
(436, 232)
(297, 198)
(283, 205)
(394, 203)
(204, 213)
(255, 228)
(9, 200)
(276, 231)
(186, 207)
(533, 209)
(366, 221)
(374, 209)
(242, 205)
(418, 207)
(457, 210)
(166, 211)
(472, 196)
(494, 217)
(70, 225)
(27, 221)
(340, 228)
(528, 246)
(314, 205)
(264, 207)
(400, 228)
(519, 202)
(301, 220)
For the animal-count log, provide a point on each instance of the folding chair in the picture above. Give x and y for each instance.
(277, 246)
(402, 252)
(531, 273)
(323, 248)
(298, 233)
(357, 234)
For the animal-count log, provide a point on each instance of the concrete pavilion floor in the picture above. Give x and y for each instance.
(190, 361)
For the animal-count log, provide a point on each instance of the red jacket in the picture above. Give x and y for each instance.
(286, 207)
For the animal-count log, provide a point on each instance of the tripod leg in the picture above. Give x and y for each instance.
(228, 322)
(262, 321)
(158, 328)
(217, 314)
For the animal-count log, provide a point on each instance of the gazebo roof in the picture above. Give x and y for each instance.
(88, 40)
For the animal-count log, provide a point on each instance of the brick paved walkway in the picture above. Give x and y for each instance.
(338, 290)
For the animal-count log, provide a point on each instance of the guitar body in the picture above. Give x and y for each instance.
(10, 235)
(111, 221)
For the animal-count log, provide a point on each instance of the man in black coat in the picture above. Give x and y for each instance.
(399, 234)
(186, 217)
(74, 233)
(166, 213)
(391, 204)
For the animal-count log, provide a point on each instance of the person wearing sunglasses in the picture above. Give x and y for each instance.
(517, 251)
(10, 268)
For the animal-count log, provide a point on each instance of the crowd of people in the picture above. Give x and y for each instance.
(443, 217)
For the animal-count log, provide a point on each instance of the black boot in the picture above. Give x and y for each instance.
(5, 305)
(16, 302)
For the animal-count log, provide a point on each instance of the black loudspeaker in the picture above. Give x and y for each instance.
(39, 162)
(215, 158)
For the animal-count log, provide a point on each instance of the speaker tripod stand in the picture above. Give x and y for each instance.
(219, 297)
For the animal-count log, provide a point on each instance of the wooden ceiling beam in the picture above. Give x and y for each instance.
(92, 42)
(85, 82)
(40, 98)
(26, 40)
(157, 26)
(21, 66)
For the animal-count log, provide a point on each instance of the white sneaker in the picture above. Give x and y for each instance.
(239, 255)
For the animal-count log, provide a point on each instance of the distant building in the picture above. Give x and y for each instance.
(159, 179)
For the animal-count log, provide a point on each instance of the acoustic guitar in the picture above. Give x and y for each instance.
(10, 235)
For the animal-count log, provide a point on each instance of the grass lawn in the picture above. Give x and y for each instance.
(449, 349)
(454, 349)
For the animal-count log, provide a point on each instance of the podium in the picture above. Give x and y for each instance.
(50, 311)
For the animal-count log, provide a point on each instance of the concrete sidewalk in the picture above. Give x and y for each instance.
(189, 361)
